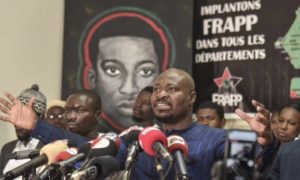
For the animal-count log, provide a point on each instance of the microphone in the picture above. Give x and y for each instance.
(47, 155)
(66, 154)
(154, 142)
(132, 139)
(98, 168)
(102, 148)
(64, 160)
(81, 154)
(25, 154)
(178, 147)
(114, 137)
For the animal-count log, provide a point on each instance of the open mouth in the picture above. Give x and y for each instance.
(163, 106)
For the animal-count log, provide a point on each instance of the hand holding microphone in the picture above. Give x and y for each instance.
(179, 148)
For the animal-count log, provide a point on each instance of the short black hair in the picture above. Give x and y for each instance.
(92, 94)
(208, 104)
(126, 26)
(295, 105)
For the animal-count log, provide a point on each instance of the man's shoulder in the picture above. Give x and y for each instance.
(210, 130)
(9, 144)
(201, 131)
(291, 147)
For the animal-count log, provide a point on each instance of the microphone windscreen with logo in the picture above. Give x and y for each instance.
(150, 136)
(126, 131)
(177, 143)
(114, 137)
(103, 147)
(94, 141)
(53, 149)
(66, 154)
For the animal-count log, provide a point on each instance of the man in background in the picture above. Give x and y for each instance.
(211, 114)
(83, 113)
(143, 113)
(24, 139)
(55, 113)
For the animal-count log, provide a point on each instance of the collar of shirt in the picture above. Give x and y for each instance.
(179, 131)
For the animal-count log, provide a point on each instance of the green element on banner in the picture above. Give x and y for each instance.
(295, 88)
(291, 42)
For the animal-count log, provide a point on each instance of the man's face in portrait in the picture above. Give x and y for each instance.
(125, 65)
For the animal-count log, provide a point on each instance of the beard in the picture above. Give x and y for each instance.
(137, 119)
(23, 136)
(167, 120)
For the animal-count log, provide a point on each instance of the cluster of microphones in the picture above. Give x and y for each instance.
(96, 159)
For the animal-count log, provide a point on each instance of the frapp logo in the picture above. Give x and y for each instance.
(227, 94)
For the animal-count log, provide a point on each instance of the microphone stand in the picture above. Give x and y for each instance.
(159, 168)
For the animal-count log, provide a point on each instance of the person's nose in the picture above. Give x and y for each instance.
(204, 121)
(162, 94)
(129, 86)
(70, 116)
(284, 126)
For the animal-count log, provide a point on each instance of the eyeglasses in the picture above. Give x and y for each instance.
(55, 116)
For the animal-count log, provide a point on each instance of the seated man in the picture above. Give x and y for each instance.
(143, 114)
(83, 112)
(172, 102)
(24, 140)
(55, 113)
(211, 114)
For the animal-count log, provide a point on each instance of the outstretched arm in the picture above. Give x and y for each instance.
(24, 116)
(16, 113)
(259, 123)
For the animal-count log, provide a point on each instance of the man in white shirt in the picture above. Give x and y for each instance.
(24, 140)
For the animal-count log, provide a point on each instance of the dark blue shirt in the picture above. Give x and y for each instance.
(206, 145)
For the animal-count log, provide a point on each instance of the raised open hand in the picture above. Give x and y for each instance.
(18, 114)
(259, 123)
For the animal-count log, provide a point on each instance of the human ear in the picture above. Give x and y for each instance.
(193, 97)
(98, 114)
(92, 78)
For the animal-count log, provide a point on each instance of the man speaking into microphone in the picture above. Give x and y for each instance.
(172, 102)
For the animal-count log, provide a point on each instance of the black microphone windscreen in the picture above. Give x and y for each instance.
(71, 143)
(105, 165)
(103, 148)
(85, 148)
(34, 163)
(132, 136)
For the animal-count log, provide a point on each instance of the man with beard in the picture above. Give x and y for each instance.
(172, 102)
(24, 140)
(143, 114)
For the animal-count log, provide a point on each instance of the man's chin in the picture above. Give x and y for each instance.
(137, 119)
(166, 119)
(23, 137)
